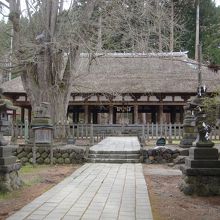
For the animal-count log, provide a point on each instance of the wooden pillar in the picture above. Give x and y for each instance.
(29, 115)
(173, 115)
(74, 117)
(135, 114)
(181, 114)
(160, 114)
(110, 114)
(99, 118)
(77, 117)
(86, 111)
(89, 116)
(144, 118)
(22, 114)
(14, 115)
(153, 117)
(114, 116)
(94, 117)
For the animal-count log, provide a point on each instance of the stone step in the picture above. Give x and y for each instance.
(108, 160)
(115, 156)
(114, 152)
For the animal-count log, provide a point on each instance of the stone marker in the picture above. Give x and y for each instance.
(161, 142)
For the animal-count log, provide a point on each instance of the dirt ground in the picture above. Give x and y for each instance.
(168, 203)
(37, 181)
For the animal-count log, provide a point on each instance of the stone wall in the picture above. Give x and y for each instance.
(160, 155)
(68, 154)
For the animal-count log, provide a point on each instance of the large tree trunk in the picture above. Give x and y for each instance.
(41, 85)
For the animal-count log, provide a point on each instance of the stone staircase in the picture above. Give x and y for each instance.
(114, 156)
(115, 150)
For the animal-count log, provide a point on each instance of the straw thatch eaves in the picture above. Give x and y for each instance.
(135, 73)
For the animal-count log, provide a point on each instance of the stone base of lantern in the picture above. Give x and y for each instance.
(9, 178)
(201, 172)
(205, 183)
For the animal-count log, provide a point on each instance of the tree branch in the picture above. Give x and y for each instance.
(3, 4)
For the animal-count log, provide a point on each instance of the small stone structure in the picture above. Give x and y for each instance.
(68, 154)
(189, 129)
(9, 178)
(201, 172)
(42, 124)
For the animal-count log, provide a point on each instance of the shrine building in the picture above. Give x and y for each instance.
(127, 88)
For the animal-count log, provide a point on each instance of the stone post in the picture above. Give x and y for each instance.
(26, 130)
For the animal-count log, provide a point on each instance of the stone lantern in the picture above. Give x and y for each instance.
(42, 124)
(9, 179)
(189, 129)
(42, 129)
(201, 172)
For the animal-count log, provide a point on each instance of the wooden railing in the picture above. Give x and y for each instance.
(96, 132)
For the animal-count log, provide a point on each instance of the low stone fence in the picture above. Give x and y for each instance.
(160, 155)
(67, 154)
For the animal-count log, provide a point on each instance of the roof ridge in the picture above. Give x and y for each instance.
(132, 55)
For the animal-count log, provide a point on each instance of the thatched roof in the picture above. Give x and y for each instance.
(135, 73)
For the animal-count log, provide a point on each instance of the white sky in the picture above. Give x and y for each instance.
(66, 4)
(217, 2)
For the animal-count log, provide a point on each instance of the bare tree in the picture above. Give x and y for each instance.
(46, 48)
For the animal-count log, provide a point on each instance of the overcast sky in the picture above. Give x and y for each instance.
(66, 4)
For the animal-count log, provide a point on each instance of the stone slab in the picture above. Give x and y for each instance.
(117, 145)
(200, 171)
(10, 167)
(95, 191)
(202, 163)
(203, 153)
(205, 144)
(5, 151)
(7, 160)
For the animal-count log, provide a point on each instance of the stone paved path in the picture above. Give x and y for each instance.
(94, 192)
(124, 144)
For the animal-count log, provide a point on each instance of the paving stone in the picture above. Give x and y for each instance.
(95, 191)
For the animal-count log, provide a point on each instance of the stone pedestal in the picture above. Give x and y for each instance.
(201, 172)
(9, 178)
